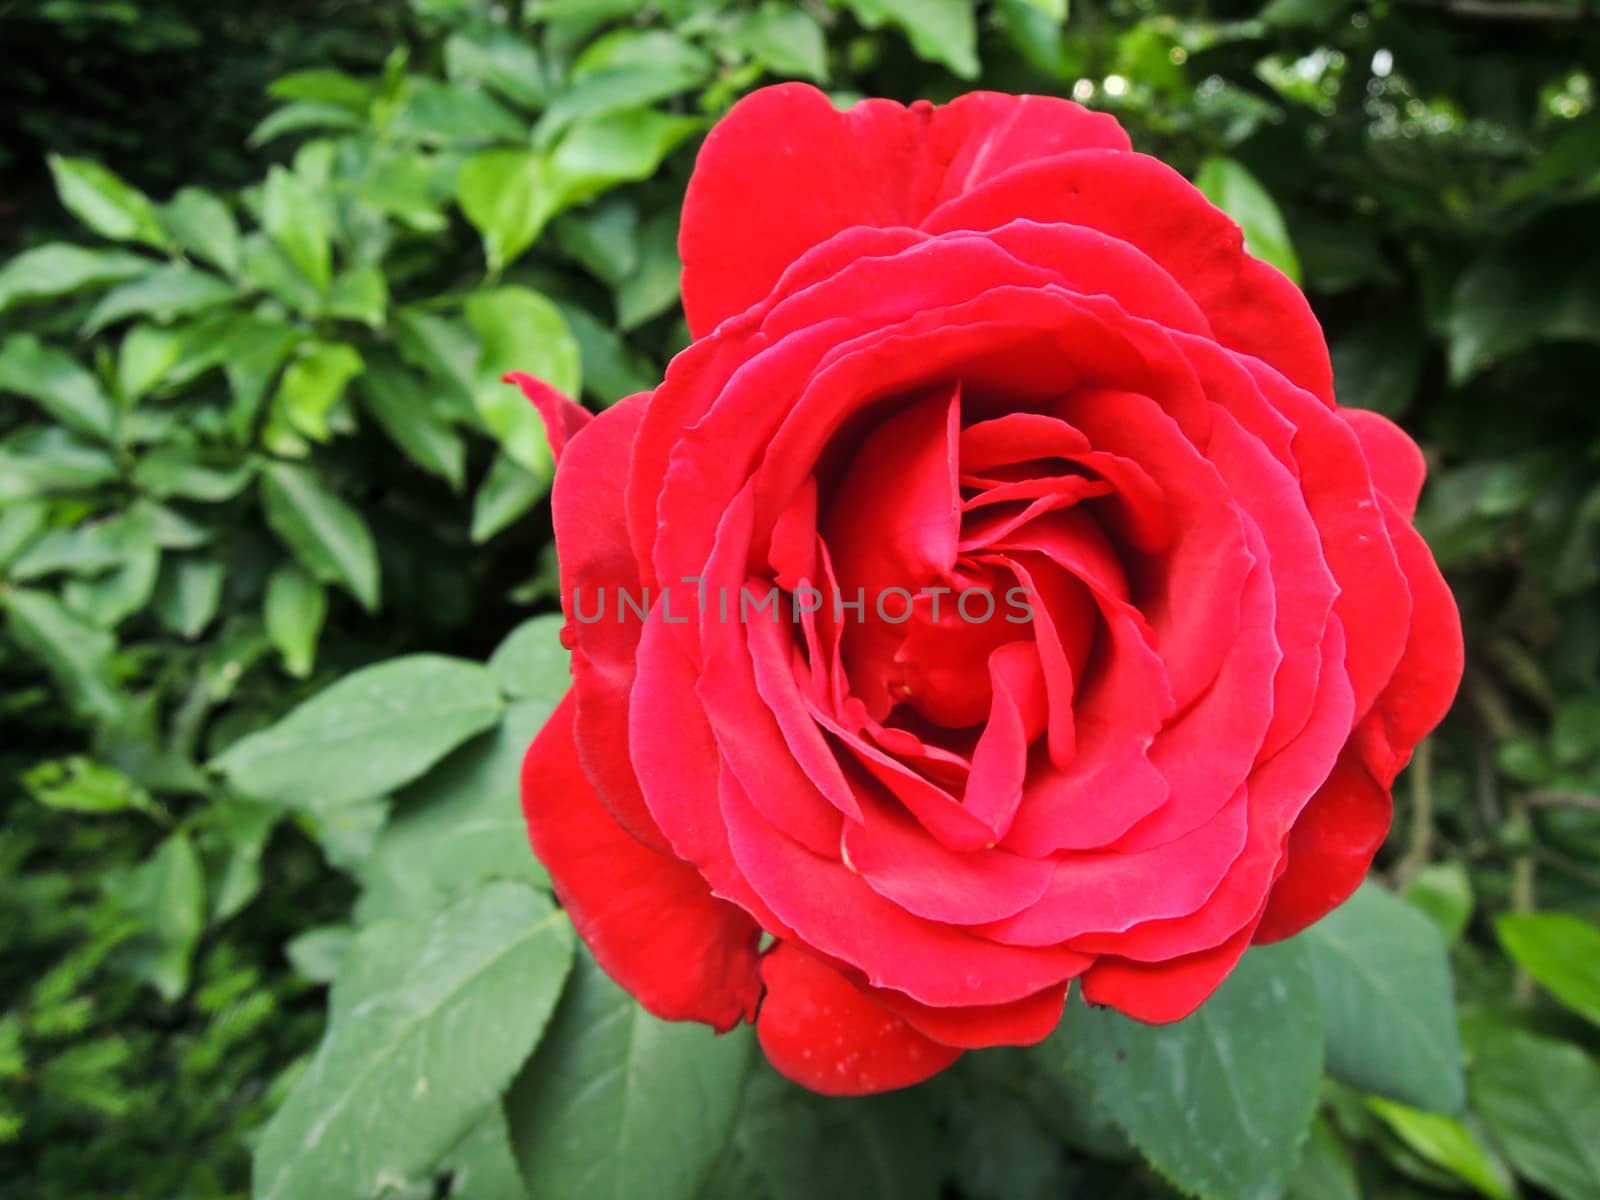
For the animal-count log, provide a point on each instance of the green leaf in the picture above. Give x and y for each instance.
(361, 294)
(166, 293)
(104, 202)
(79, 784)
(1229, 185)
(168, 471)
(404, 410)
(506, 493)
(1561, 952)
(313, 383)
(520, 330)
(441, 113)
(499, 61)
(651, 288)
(77, 653)
(1448, 1144)
(439, 1020)
(168, 894)
(1326, 1171)
(327, 535)
(459, 824)
(318, 953)
(613, 89)
(368, 734)
(296, 217)
(788, 40)
(60, 269)
(293, 611)
(41, 462)
(58, 384)
(147, 354)
(1541, 1101)
(204, 226)
(791, 1144)
(303, 116)
(507, 196)
(1383, 986)
(618, 1104)
(267, 267)
(1443, 891)
(482, 1166)
(532, 664)
(621, 147)
(941, 31)
(1219, 1102)
(189, 594)
(321, 86)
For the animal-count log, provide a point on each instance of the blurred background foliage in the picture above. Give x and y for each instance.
(272, 539)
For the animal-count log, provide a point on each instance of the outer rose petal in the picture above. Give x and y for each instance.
(650, 920)
(820, 170)
(821, 1031)
(1330, 849)
(563, 418)
(1163, 992)
(1397, 465)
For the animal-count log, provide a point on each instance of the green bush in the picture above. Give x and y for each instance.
(273, 539)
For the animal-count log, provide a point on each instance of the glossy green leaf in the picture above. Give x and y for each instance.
(174, 471)
(506, 493)
(313, 383)
(788, 40)
(457, 825)
(105, 202)
(941, 31)
(1540, 1099)
(1325, 1171)
(293, 611)
(361, 294)
(520, 330)
(61, 269)
(165, 294)
(77, 653)
(297, 219)
(189, 594)
(1384, 990)
(1229, 185)
(41, 462)
(168, 894)
(1443, 891)
(507, 196)
(1561, 952)
(373, 731)
(791, 1144)
(1220, 1102)
(597, 154)
(531, 663)
(499, 61)
(326, 534)
(147, 354)
(58, 384)
(80, 784)
(205, 227)
(618, 1104)
(402, 406)
(432, 1025)
(1448, 1144)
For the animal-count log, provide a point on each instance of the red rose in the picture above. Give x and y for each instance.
(983, 349)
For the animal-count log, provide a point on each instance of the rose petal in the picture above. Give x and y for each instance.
(650, 919)
(820, 1030)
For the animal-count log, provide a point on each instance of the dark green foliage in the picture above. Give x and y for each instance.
(266, 264)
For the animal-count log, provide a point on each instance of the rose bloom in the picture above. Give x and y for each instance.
(980, 347)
